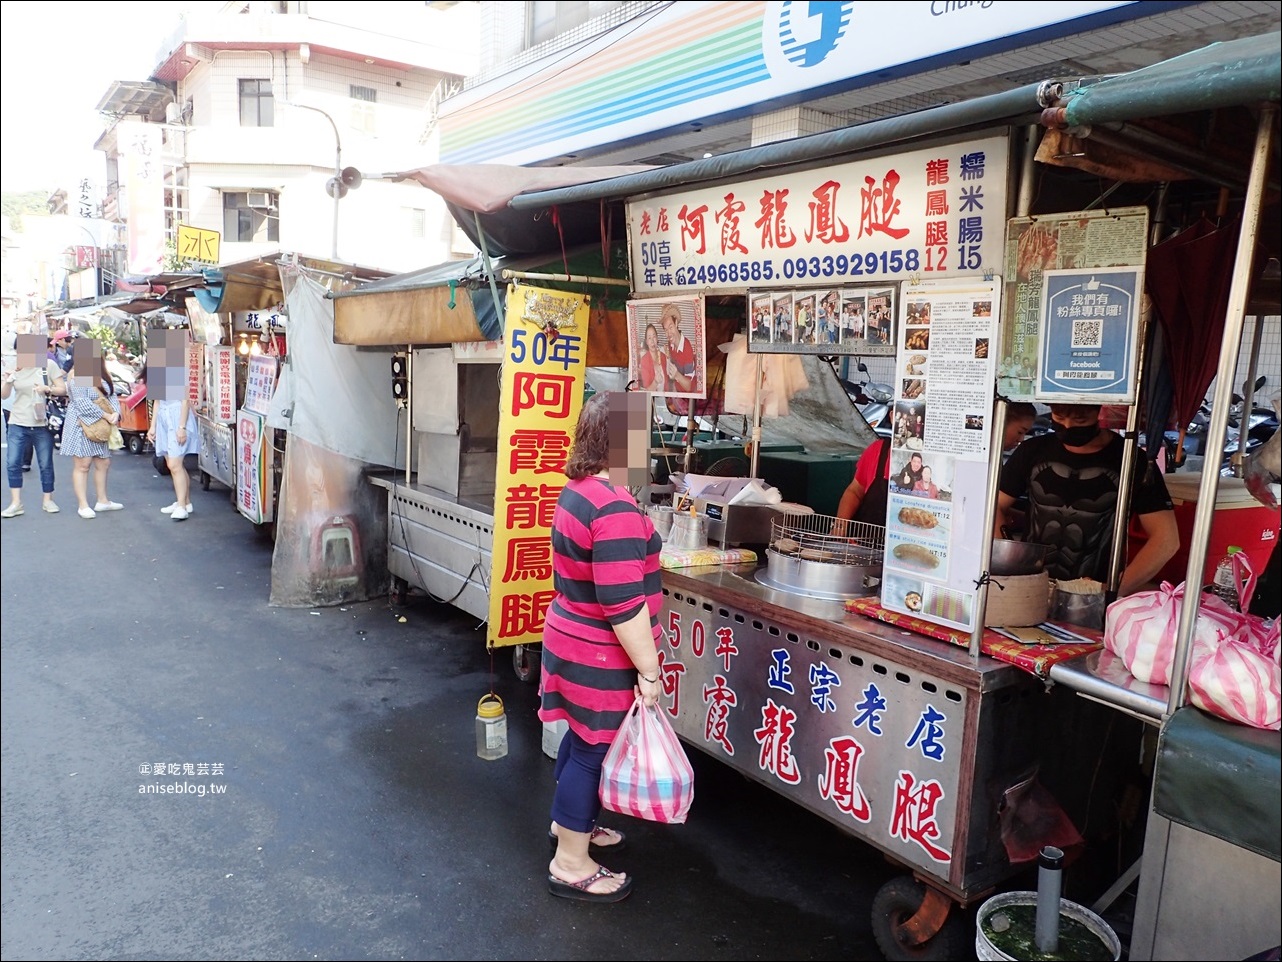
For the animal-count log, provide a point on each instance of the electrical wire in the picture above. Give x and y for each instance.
(640, 20)
(400, 519)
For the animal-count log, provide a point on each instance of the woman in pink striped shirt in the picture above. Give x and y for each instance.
(600, 636)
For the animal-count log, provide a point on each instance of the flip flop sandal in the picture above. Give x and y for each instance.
(579, 890)
(597, 832)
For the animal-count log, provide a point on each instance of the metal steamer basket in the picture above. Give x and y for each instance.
(822, 556)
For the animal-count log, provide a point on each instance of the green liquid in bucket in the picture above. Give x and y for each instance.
(1077, 943)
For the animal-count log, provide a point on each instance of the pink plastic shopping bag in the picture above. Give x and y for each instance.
(1141, 628)
(1240, 680)
(646, 772)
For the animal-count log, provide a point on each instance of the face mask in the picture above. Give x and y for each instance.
(1075, 437)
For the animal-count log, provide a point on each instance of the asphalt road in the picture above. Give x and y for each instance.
(352, 818)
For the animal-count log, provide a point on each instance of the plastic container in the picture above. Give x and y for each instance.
(661, 515)
(491, 728)
(1225, 583)
(986, 951)
(689, 531)
(1238, 520)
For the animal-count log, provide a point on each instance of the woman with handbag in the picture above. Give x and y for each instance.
(599, 644)
(92, 413)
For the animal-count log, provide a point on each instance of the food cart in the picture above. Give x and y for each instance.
(890, 709)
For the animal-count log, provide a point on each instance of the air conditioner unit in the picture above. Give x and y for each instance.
(260, 200)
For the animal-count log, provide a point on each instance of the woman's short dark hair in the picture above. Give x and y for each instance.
(1020, 409)
(591, 450)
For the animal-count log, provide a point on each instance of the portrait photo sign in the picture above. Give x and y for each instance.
(666, 353)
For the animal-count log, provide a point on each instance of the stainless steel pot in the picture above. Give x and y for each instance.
(1017, 557)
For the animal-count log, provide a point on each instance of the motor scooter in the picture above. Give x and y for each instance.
(134, 418)
(872, 399)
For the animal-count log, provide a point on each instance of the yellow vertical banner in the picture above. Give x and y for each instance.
(540, 396)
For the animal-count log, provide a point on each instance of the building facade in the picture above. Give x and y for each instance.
(662, 83)
(250, 113)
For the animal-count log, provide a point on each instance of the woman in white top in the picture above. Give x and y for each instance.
(27, 386)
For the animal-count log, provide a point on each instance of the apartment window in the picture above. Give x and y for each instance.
(257, 108)
(551, 18)
(251, 216)
(363, 108)
(415, 222)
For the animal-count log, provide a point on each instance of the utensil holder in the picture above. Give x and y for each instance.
(689, 532)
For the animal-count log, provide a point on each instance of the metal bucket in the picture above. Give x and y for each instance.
(661, 515)
(986, 951)
(689, 531)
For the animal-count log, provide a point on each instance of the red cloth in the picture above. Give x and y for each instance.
(1036, 659)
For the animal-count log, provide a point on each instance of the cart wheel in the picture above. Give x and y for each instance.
(526, 660)
(911, 920)
(205, 479)
(398, 592)
(135, 443)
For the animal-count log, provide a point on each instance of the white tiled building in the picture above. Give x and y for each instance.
(256, 106)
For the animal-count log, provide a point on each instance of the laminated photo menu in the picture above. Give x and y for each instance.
(944, 382)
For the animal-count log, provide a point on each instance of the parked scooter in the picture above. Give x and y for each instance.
(872, 399)
(1262, 423)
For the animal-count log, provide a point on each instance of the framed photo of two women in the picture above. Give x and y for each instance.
(833, 320)
(667, 346)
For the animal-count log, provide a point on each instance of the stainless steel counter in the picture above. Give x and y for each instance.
(1102, 677)
(903, 740)
(830, 619)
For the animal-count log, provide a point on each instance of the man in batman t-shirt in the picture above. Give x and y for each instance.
(1071, 479)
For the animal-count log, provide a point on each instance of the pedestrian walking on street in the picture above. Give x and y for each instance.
(600, 640)
(83, 408)
(28, 386)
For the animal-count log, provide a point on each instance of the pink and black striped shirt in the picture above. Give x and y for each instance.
(605, 567)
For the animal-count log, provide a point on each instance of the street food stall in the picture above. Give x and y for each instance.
(858, 672)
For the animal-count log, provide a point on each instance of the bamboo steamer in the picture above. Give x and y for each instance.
(1020, 601)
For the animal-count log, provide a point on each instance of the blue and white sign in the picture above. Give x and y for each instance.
(1089, 335)
(679, 66)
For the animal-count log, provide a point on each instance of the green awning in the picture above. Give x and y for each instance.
(1230, 74)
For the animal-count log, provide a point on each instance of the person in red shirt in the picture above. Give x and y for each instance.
(682, 375)
(864, 499)
(653, 363)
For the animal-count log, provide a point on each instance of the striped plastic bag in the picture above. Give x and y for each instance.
(646, 772)
(1241, 680)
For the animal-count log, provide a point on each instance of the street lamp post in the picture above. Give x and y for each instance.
(335, 187)
(96, 266)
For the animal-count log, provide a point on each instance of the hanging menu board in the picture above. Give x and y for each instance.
(1036, 246)
(944, 370)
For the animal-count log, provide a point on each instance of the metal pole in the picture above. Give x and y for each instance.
(338, 170)
(1248, 397)
(1229, 343)
(756, 420)
(1126, 478)
(1023, 203)
(338, 183)
(509, 275)
(409, 411)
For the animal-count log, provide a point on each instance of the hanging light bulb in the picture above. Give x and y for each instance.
(255, 348)
(243, 347)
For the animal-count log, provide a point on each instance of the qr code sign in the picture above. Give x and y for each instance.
(1088, 333)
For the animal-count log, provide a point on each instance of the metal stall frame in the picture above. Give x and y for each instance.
(1223, 75)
